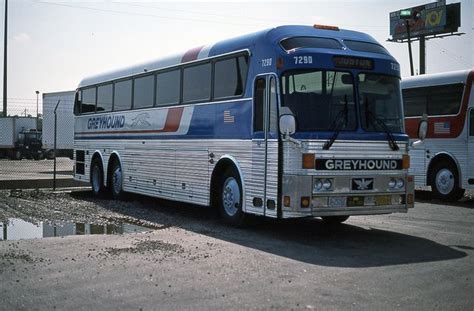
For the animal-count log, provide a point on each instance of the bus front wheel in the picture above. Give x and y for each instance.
(230, 198)
(97, 178)
(445, 182)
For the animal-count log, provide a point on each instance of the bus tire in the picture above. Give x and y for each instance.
(97, 177)
(230, 198)
(334, 220)
(445, 182)
(116, 181)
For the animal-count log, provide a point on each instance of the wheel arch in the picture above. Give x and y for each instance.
(223, 163)
(443, 156)
(114, 157)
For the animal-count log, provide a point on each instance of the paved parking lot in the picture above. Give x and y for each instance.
(422, 260)
(28, 174)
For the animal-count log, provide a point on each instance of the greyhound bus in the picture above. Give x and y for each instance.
(294, 121)
(445, 159)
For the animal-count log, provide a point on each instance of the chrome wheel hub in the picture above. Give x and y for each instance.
(117, 180)
(96, 178)
(444, 181)
(231, 196)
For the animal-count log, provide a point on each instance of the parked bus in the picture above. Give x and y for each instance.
(294, 121)
(445, 160)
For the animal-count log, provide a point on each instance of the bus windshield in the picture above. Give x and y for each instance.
(380, 102)
(320, 100)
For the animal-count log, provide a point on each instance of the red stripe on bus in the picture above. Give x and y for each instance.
(456, 122)
(173, 120)
(191, 54)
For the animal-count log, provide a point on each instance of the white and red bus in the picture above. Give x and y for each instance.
(445, 159)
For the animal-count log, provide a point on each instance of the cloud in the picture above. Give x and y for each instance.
(21, 38)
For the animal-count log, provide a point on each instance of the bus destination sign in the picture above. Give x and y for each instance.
(353, 62)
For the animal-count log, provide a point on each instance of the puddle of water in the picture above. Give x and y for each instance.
(18, 229)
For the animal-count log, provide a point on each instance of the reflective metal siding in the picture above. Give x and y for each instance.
(456, 148)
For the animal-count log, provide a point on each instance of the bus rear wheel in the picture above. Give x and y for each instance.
(116, 181)
(97, 178)
(230, 198)
(445, 182)
(334, 220)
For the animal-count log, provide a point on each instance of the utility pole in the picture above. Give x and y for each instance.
(37, 118)
(422, 55)
(410, 55)
(5, 61)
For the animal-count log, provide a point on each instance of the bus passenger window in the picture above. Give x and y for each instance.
(104, 98)
(471, 122)
(197, 83)
(88, 100)
(259, 101)
(415, 101)
(168, 85)
(445, 99)
(229, 77)
(123, 95)
(143, 92)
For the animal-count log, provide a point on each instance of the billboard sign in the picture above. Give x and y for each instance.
(428, 19)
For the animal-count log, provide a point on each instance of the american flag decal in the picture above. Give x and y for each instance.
(442, 128)
(228, 118)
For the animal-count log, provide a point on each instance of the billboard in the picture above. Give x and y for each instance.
(428, 19)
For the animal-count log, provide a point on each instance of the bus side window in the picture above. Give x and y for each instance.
(88, 100)
(77, 103)
(259, 101)
(273, 106)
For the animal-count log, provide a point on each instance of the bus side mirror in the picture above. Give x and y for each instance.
(422, 131)
(287, 124)
(423, 127)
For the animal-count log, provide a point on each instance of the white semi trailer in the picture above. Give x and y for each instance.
(64, 126)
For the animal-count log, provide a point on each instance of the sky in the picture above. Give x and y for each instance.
(54, 44)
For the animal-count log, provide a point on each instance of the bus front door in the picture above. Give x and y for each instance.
(263, 187)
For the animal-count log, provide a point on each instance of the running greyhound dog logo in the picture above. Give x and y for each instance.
(141, 120)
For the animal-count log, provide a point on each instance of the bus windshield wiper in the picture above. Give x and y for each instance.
(370, 116)
(338, 124)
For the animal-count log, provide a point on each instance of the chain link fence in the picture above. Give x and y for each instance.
(36, 142)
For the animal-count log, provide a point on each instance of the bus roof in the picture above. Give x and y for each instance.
(272, 35)
(450, 77)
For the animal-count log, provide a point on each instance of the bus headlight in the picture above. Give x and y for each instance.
(318, 185)
(322, 184)
(400, 183)
(392, 183)
(327, 184)
(396, 183)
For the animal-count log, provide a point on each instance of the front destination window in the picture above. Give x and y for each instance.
(320, 100)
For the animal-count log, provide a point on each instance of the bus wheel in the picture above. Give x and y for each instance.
(116, 181)
(445, 182)
(97, 180)
(334, 220)
(230, 198)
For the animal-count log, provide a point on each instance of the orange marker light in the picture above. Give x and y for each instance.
(279, 63)
(305, 201)
(406, 161)
(308, 160)
(286, 201)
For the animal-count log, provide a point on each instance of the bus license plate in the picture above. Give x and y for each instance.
(355, 201)
(383, 200)
(337, 201)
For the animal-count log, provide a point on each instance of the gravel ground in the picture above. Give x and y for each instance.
(422, 260)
